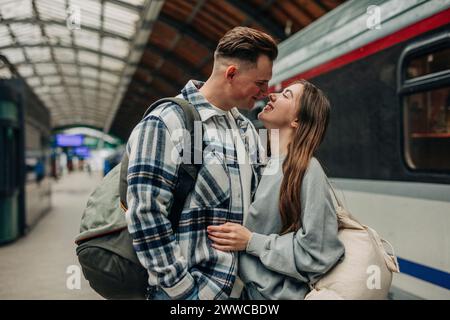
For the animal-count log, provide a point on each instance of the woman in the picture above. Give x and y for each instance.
(289, 238)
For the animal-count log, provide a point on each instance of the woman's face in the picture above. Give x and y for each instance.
(282, 109)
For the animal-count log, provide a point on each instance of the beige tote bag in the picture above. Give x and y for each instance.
(366, 270)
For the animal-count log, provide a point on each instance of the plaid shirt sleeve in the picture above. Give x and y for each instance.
(152, 175)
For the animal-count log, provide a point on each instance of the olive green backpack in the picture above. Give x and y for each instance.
(105, 250)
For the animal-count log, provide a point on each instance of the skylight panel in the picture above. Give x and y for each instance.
(46, 68)
(52, 10)
(38, 54)
(116, 47)
(71, 80)
(34, 82)
(88, 57)
(88, 71)
(64, 55)
(134, 2)
(89, 12)
(107, 76)
(68, 69)
(88, 39)
(120, 13)
(14, 55)
(52, 80)
(5, 38)
(26, 33)
(112, 64)
(90, 83)
(58, 34)
(16, 9)
(25, 70)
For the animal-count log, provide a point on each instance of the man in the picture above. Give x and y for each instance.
(184, 265)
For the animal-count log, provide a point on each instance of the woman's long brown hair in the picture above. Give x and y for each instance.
(313, 117)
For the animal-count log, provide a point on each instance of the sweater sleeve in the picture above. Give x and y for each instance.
(315, 248)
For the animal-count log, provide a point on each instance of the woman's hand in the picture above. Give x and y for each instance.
(229, 236)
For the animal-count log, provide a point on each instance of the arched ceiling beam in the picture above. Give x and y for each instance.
(149, 12)
(125, 5)
(155, 74)
(82, 64)
(75, 77)
(82, 87)
(175, 59)
(321, 5)
(171, 56)
(72, 126)
(177, 85)
(267, 5)
(62, 46)
(188, 30)
(259, 18)
(304, 10)
(90, 113)
(49, 44)
(147, 87)
(62, 23)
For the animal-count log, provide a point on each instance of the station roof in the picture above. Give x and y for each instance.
(101, 63)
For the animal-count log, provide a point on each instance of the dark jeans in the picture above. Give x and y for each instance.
(157, 293)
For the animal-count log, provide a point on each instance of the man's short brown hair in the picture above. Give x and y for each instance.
(246, 44)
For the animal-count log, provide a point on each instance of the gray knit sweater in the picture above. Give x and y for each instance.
(281, 267)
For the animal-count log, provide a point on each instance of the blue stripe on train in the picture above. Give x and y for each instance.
(434, 276)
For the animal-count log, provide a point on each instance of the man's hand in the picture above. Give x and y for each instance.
(229, 236)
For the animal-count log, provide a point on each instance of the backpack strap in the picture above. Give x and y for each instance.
(187, 173)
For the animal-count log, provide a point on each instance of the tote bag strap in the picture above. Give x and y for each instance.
(339, 203)
(347, 217)
(392, 264)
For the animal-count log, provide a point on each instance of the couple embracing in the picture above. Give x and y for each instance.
(263, 229)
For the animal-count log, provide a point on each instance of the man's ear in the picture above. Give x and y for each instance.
(230, 72)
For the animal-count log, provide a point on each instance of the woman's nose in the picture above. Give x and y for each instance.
(272, 97)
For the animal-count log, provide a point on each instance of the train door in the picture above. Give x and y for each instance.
(11, 193)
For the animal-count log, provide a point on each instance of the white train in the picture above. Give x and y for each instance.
(385, 66)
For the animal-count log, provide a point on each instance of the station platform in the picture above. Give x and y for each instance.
(35, 266)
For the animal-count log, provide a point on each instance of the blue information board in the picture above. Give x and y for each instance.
(69, 140)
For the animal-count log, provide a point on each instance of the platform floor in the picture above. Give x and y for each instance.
(35, 266)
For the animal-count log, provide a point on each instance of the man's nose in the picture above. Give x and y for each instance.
(261, 95)
(263, 91)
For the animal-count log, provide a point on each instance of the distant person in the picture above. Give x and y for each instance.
(70, 165)
(184, 265)
(88, 168)
(290, 237)
(39, 169)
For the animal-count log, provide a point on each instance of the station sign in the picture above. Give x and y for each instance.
(69, 140)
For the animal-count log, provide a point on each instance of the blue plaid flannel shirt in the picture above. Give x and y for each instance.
(182, 262)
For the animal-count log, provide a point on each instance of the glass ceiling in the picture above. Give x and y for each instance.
(77, 55)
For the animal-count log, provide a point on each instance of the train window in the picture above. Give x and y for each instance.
(428, 129)
(432, 62)
(425, 92)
